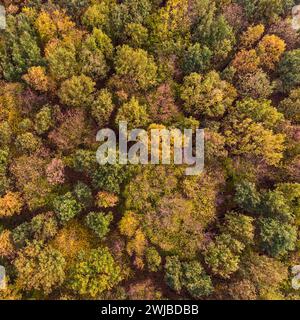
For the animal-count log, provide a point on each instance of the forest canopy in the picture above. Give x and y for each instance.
(71, 228)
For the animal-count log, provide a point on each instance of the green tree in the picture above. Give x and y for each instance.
(135, 66)
(196, 59)
(260, 111)
(77, 91)
(136, 35)
(290, 106)
(44, 120)
(27, 142)
(277, 238)
(173, 275)
(66, 207)
(274, 204)
(93, 272)
(289, 67)
(189, 275)
(291, 194)
(153, 259)
(206, 95)
(132, 112)
(42, 227)
(96, 15)
(99, 222)
(266, 10)
(95, 52)
(195, 280)
(223, 255)
(239, 226)
(20, 50)
(102, 107)
(247, 196)
(83, 194)
(61, 58)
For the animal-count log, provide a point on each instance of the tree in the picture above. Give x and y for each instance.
(129, 223)
(168, 26)
(93, 272)
(53, 24)
(189, 275)
(246, 61)
(172, 220)
(255, 85)
(290, 106)
(239, 226)
(251, 36)
(206, 95)
(106, 200)
(265, 273)
(44, 119)
(274, 204)
(133, 113)
(235, 15)
(277, 238)
(71, 130)
(196, 281)
(136, 35)
(42, 227)
(261, 111)
(153, 259)
(71, 239)
(247, 196)
(20, 49)
(284, 30)
(174, 226)
(269, 50)
(217, 35)
(99, 223)
(55, 172)
(102, 107)
(30, 175)
(196, 59)
(77, 91)
(248, 138)
(61, 58)
(7, 248)
(144, 290)
(4, 181)
(97, 16)
(266, 11)
(291, 194)
(95, 51)
(27, 142)
(36, 77)
(39, 268)
(83, 194)
(173, 274)
(161, 104)
(136, 67)
(222, 255)
(11, 204)
(66, 207)
(242, 290)
(5, 133)
(289, 70)
(107, 177)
